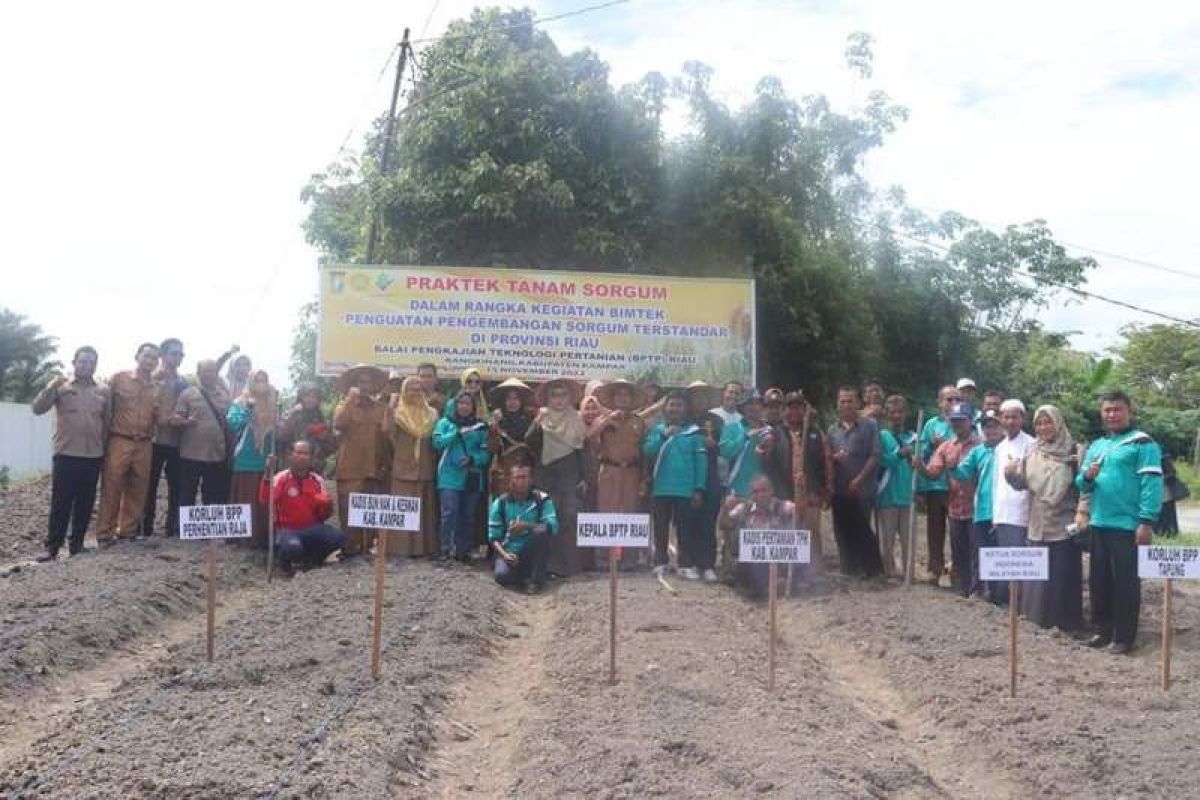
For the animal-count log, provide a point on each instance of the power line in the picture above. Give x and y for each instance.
(1067, 287)
(1096, 251)
(535, 21)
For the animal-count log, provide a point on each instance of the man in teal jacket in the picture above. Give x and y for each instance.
(894, 500)
(978, 466)
(936, 491)
(1123, 475)
(746, 443)
(676, 451)
(520, 524)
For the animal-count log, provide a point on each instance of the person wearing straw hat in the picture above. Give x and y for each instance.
(408, 427)
(773, 407)
(508, 427)
(461, 439)
(358, 420)
(557, 437)
(617, 438)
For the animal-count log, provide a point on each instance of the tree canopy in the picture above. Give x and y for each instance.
(26, 357)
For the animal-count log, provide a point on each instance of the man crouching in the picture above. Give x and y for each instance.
(520, 524)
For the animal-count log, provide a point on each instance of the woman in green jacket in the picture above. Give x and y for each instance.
(253, 420)
(460, 438)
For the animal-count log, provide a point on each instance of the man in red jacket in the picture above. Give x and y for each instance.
(301, 507)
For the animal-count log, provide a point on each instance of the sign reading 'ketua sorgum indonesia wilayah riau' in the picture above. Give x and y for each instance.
(537, 324)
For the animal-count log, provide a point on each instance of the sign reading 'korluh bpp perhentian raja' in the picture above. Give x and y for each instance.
(537, 324)
(215, 522)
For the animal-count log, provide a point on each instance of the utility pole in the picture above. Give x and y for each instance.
(388, 132)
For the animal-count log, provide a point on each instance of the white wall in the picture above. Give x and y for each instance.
(25, 446)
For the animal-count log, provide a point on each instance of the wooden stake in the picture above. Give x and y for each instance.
(612, 615)
(377, 622)
(212, 594)
(1014, 598)
(1166, 636)
(910, 563)
(801, 492)
(270, 526)
(772, 575)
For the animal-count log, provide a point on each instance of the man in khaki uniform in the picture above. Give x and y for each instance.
(358, 420)
(81, 421)
(133, 411)
(203, 456)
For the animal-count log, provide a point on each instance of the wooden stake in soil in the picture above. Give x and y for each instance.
(1014, 601)
(772, 577)
(270, 478)
(614, 554)
(377, 622)
(212, 594)
(1015, 565)
(801, 491)
(910, 563)
(1166, 636)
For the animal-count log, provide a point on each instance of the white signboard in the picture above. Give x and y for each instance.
(1168, 562)
(386, 511)
(215, 522)
(613, 530)
(762, 546)
(1014, 564)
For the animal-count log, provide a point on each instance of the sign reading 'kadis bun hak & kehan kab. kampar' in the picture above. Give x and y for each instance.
(537, 324)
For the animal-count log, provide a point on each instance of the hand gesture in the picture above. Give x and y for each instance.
(510, 558)
(729, 503)
(394, 402)
(697, 499)
(937, 440)
(518, 526)
(1093, 470)
(354, 393)
(1012, 467)
(1144, 534)
(497, 415)
(58, 382)
(671, 431)
(235, 349)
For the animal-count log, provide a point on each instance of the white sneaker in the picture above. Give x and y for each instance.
(689, 573)
(710, 576)
(660, 571)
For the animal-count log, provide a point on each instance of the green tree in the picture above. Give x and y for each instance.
(26, 357)
(1161, 363)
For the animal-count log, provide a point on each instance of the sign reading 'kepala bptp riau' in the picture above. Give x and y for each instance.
(762, 546)
(215, 522)
(613, 530)
(386, 511)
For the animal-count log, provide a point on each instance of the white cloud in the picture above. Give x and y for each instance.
(153, 153)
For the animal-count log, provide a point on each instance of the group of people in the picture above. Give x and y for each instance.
(503, 474)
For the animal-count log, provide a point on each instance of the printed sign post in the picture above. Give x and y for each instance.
(1013, 564)
(384, 512)
(213, 523)
(770, 547)
(614, 531)
(1168, 563)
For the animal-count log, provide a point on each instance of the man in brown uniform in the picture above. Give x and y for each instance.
(166, 439)
(358, 420)
(81, 417)
(618, 438)
(200, 412)
(133, 412)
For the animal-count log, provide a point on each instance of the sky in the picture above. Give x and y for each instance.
(153, 154)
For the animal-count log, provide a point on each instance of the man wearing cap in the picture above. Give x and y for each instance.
(773, 403)
(798, 468)
(358, 420)
(1122, 473)
(1010, 507)
(81, 409)
(978, 467)
(935, 492)
(967, 394)
(679, 474)
(125, 476)
(854, 451)
(961, 498)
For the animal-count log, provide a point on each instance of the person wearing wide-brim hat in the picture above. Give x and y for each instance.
(507, 428)
(604, 394)
(773, 400)
(617, 439)
(361, 456)
(557, 438)
(701, 397)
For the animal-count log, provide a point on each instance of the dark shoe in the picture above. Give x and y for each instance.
(463, 558)
(533, 588)
(82, 551)
(1120, 648)
(1098, 641)
(48, 555)
(348, 555)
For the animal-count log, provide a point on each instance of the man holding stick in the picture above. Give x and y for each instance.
(520, 524)
(1123, 474)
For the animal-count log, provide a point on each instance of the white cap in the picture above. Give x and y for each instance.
(1013, 404)
(963, 383)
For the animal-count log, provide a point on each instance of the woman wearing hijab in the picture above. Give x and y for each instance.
(409, 428)
(461, 441)
(557, 437)
(471, 382)
(1048, 473)
(506, 434)
(253, 420)
(306, 422)
(592, 413)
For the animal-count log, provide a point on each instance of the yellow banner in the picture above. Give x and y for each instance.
(537, 324)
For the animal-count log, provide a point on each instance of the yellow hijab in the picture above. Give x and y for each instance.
(481, 406)
(415, 417)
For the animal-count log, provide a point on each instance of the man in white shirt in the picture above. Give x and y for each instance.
(1010, 507)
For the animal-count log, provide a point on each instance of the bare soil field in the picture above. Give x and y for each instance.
(883, 691)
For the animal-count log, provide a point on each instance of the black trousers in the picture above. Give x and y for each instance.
(1116, 590)
(208, 479)
(165, 458)
(697, 542)
(858, 547)
(531, 563)
(72, 494)
(963, 555)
